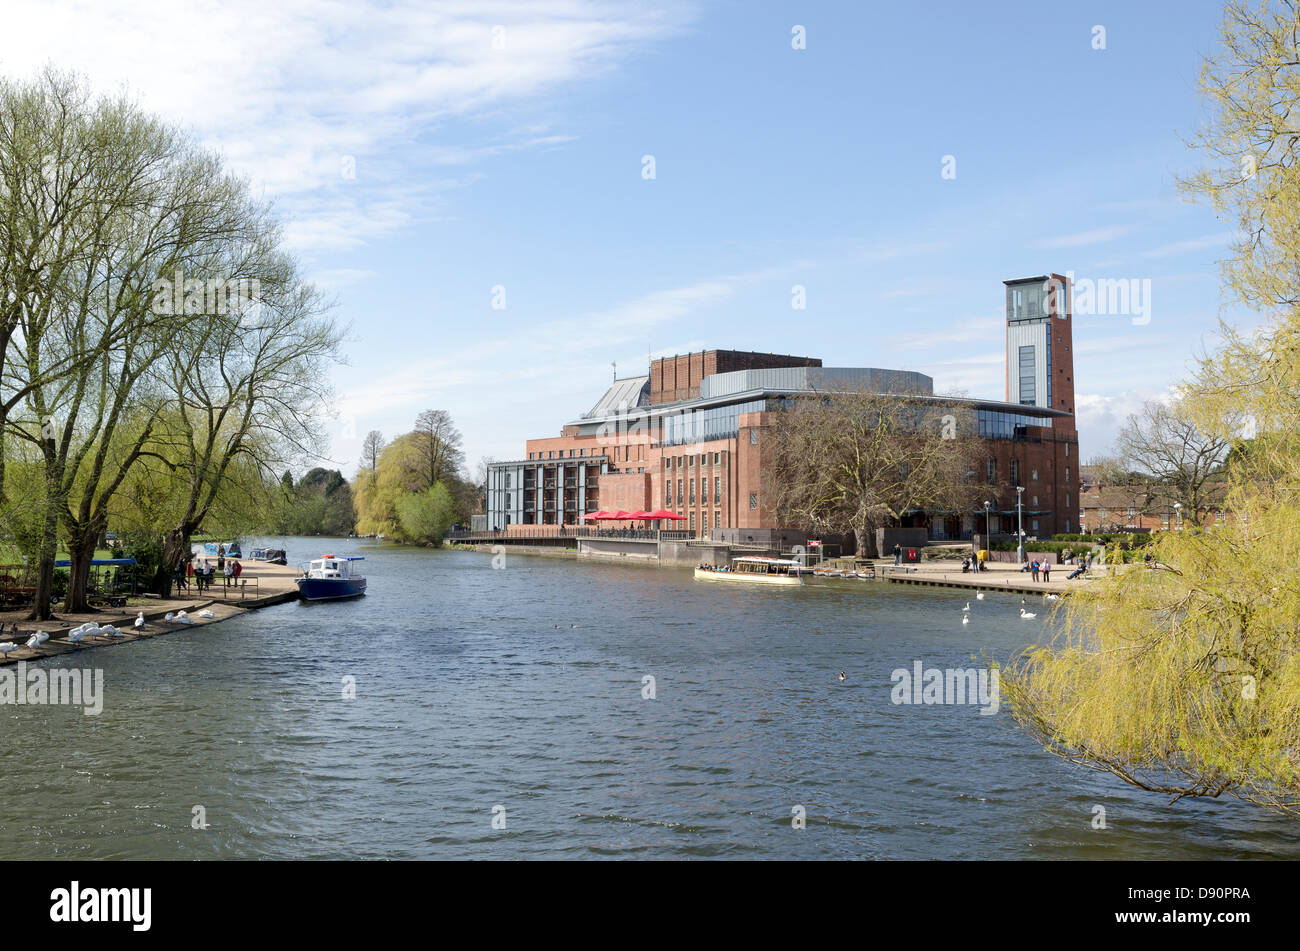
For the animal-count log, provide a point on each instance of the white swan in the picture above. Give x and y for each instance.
(109, 630)
(1053, 597)
(965, 619)
(37, 639)
(183, 618)
(967, 608)
(980, 596)
(206, 612)
(6, 648)
(1027, 615)
(169, 616)
(76, 634)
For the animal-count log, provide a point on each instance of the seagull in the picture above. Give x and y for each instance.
(843, 676)
(1027, 615)
(139, 621)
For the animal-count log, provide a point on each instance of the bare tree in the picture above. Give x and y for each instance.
(440, 443)
(860, 460)
(371, 449)
(1183, 465)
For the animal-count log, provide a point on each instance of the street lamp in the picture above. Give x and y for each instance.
(1178, 507)
(988, 525)
(1020, 525)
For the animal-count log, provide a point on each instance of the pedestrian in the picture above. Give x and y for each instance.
(1033, 568)
(1047, 569)
(239, 570)
(230, 571)
(221, 557)
(898, 555)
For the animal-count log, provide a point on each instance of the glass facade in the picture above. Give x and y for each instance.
(705, 424)
(991, 424)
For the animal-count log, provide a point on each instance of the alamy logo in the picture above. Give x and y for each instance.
(60, 686)
(1109, 297)
(103, 904)
(215, 298)
(934, 685)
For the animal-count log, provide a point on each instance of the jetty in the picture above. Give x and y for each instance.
(272, 584)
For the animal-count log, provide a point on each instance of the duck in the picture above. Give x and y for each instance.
(1027, 615)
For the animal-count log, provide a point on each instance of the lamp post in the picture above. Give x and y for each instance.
(1020, 525)
(988, 526)
(1178, 507)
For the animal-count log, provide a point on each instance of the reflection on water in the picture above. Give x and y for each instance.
(522, 688)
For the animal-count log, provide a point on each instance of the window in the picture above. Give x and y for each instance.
(507, 480)
(1033, 525)
(753, 437)
(690, 461)
(1027, 375)
(1015, 471)
(582, 452)
(668, 462)
(679, 491)
(991, 471)
(692, 519)
(704, 491)
(530, 455)
(509, 505)
(1035, 501)
(717, 488)
(717, 519)
(692, 491)
(1033, 475)
(753, 500)
(716, 456)
(1130, 512)
(1067, 450)
(704, 521)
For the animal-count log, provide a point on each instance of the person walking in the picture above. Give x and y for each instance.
(189, 573)
(230, 571)
(1033, 569)
(239, 570)
(898, 555)
(1047, 569)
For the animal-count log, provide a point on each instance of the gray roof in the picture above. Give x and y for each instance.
(626, 393)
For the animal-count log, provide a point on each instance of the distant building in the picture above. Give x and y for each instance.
(688, 437)
(1137, 507)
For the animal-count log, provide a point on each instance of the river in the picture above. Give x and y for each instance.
(514, 696)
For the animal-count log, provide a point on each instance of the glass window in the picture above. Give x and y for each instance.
(1027, 375)
(753, 500)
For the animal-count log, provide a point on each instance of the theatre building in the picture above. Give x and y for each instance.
(688, 437)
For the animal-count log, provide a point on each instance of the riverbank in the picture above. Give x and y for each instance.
(272, 584)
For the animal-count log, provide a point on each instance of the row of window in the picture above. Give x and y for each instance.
(688, 462)
(683, 484)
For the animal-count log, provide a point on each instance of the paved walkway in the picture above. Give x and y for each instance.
(999, 576)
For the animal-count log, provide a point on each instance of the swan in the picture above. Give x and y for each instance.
(6, 648)
(109, 630)
(1053, 597)
(170, 617)
(967, 608)
(76, 634)
(37, 639)
(979, 596)
(965, 619)
(206, 612)
(1027, 615)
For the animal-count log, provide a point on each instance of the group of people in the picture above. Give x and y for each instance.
(971, 563)
(201, 573)
(1036, 567)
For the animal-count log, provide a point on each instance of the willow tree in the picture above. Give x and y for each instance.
(858, 460)
(1184, 678)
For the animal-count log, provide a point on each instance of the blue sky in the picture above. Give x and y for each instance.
(420, 164)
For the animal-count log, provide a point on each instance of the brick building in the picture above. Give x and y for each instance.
(688, 437)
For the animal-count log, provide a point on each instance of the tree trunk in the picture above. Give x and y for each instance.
(42, 603)
(865, 538)
(81, 551)
(176, 545)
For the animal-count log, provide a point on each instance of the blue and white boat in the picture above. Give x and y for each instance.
(332, 577)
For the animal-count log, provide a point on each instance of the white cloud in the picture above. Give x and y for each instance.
(1084, 238)
(289, 91)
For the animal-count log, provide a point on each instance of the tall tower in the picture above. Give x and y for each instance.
(1040, 364)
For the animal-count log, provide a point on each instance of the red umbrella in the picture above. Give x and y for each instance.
(640, 513)
(595, 515)
(661, 513)
(620, 515)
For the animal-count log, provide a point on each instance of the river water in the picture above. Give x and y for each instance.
(514, 696)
